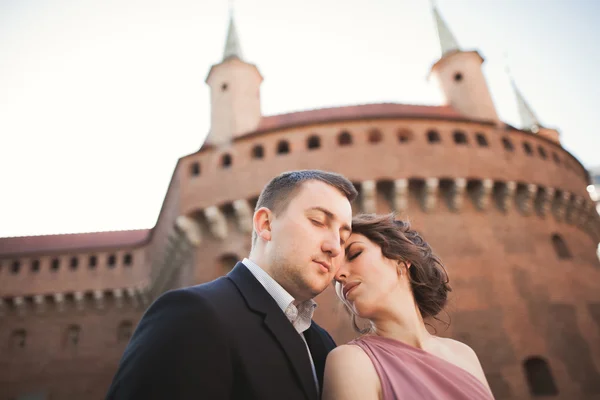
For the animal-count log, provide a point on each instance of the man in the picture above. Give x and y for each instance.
(249, 335)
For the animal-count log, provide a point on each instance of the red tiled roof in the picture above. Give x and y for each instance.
(361, 111)
(71, 242)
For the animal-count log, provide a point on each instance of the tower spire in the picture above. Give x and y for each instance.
(232, 44)
(448, 42)
(529, 120)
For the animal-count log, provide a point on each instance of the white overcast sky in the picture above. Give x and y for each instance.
(98, 99)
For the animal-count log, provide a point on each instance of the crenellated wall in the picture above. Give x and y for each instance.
(71, 272)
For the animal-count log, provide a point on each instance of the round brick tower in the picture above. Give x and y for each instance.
(505, 208)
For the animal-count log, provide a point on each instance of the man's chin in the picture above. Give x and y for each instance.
(319, 288)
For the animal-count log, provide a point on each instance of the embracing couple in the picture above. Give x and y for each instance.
(250, 334)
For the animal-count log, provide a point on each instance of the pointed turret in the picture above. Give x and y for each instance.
(234, 93)
(448, 42)
(529, 120)
(232, 43)
(460, 77)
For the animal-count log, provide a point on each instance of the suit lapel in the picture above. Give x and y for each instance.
(260, 301)
(318, 351)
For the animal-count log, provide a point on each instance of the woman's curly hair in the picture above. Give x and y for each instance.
(428, 278)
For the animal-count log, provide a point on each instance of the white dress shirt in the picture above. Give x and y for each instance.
(300, 316)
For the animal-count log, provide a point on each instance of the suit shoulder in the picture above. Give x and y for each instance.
(196, 300)
(323, 334)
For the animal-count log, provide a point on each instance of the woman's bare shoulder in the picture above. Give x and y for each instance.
(459, 347)
(350, 374)
(466, 358)
(348, 352)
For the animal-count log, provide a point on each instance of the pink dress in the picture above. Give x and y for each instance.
(409, 373)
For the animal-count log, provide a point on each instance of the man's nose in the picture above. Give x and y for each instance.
(332, 246)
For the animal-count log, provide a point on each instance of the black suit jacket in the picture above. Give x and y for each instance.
(226, 339)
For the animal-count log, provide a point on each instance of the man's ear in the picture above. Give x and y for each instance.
(262, 223)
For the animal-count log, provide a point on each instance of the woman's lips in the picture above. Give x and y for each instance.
(349, 287)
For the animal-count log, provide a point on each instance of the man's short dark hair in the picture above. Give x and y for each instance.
(280, 191)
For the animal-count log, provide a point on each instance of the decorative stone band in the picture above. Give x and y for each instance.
(429, 194)
(400, 195)
(544, 199)
(216, 221)
(190, 228)
(368, 196)
(483, 193)
(243, 213)
(506, 194)
(526, 194)
(74, 301)
(457, 193)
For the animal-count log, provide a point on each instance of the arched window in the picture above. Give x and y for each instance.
(542, 152)
(124, 331)
(562, 251)
(93, 262)
(344, 139)
(283, 147)
(481, 140)
(73, 335)
(74, 263)
(55, 265)
(508, 146)
(313, 142)
(15, 267)
(195, 168)
(460, 137)
(375, 136)
(35, 265)
(227, 262)
(18, 339)
(527, 148)
(258, 152)
(226, 160)
(433, 136)
(127, 259)
(112, 261)
(404, 136)
(539, 377)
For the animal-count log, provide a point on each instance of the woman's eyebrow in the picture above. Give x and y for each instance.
(348, 247)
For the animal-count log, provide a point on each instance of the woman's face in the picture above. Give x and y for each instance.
(366, 280)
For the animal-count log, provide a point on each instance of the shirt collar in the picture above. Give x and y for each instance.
(301, 315)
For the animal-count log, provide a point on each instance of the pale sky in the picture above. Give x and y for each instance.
(98, 99)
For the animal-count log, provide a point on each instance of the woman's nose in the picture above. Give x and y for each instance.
(342, 274)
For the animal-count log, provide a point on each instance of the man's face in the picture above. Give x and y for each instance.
(307, 239)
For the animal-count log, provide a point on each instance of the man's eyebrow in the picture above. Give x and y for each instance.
(330, 215)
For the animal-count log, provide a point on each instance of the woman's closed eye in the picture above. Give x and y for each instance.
(353, 256)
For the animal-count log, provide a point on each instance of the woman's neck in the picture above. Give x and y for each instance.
(405, 324)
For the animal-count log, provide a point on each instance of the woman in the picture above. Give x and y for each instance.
(392, 279)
